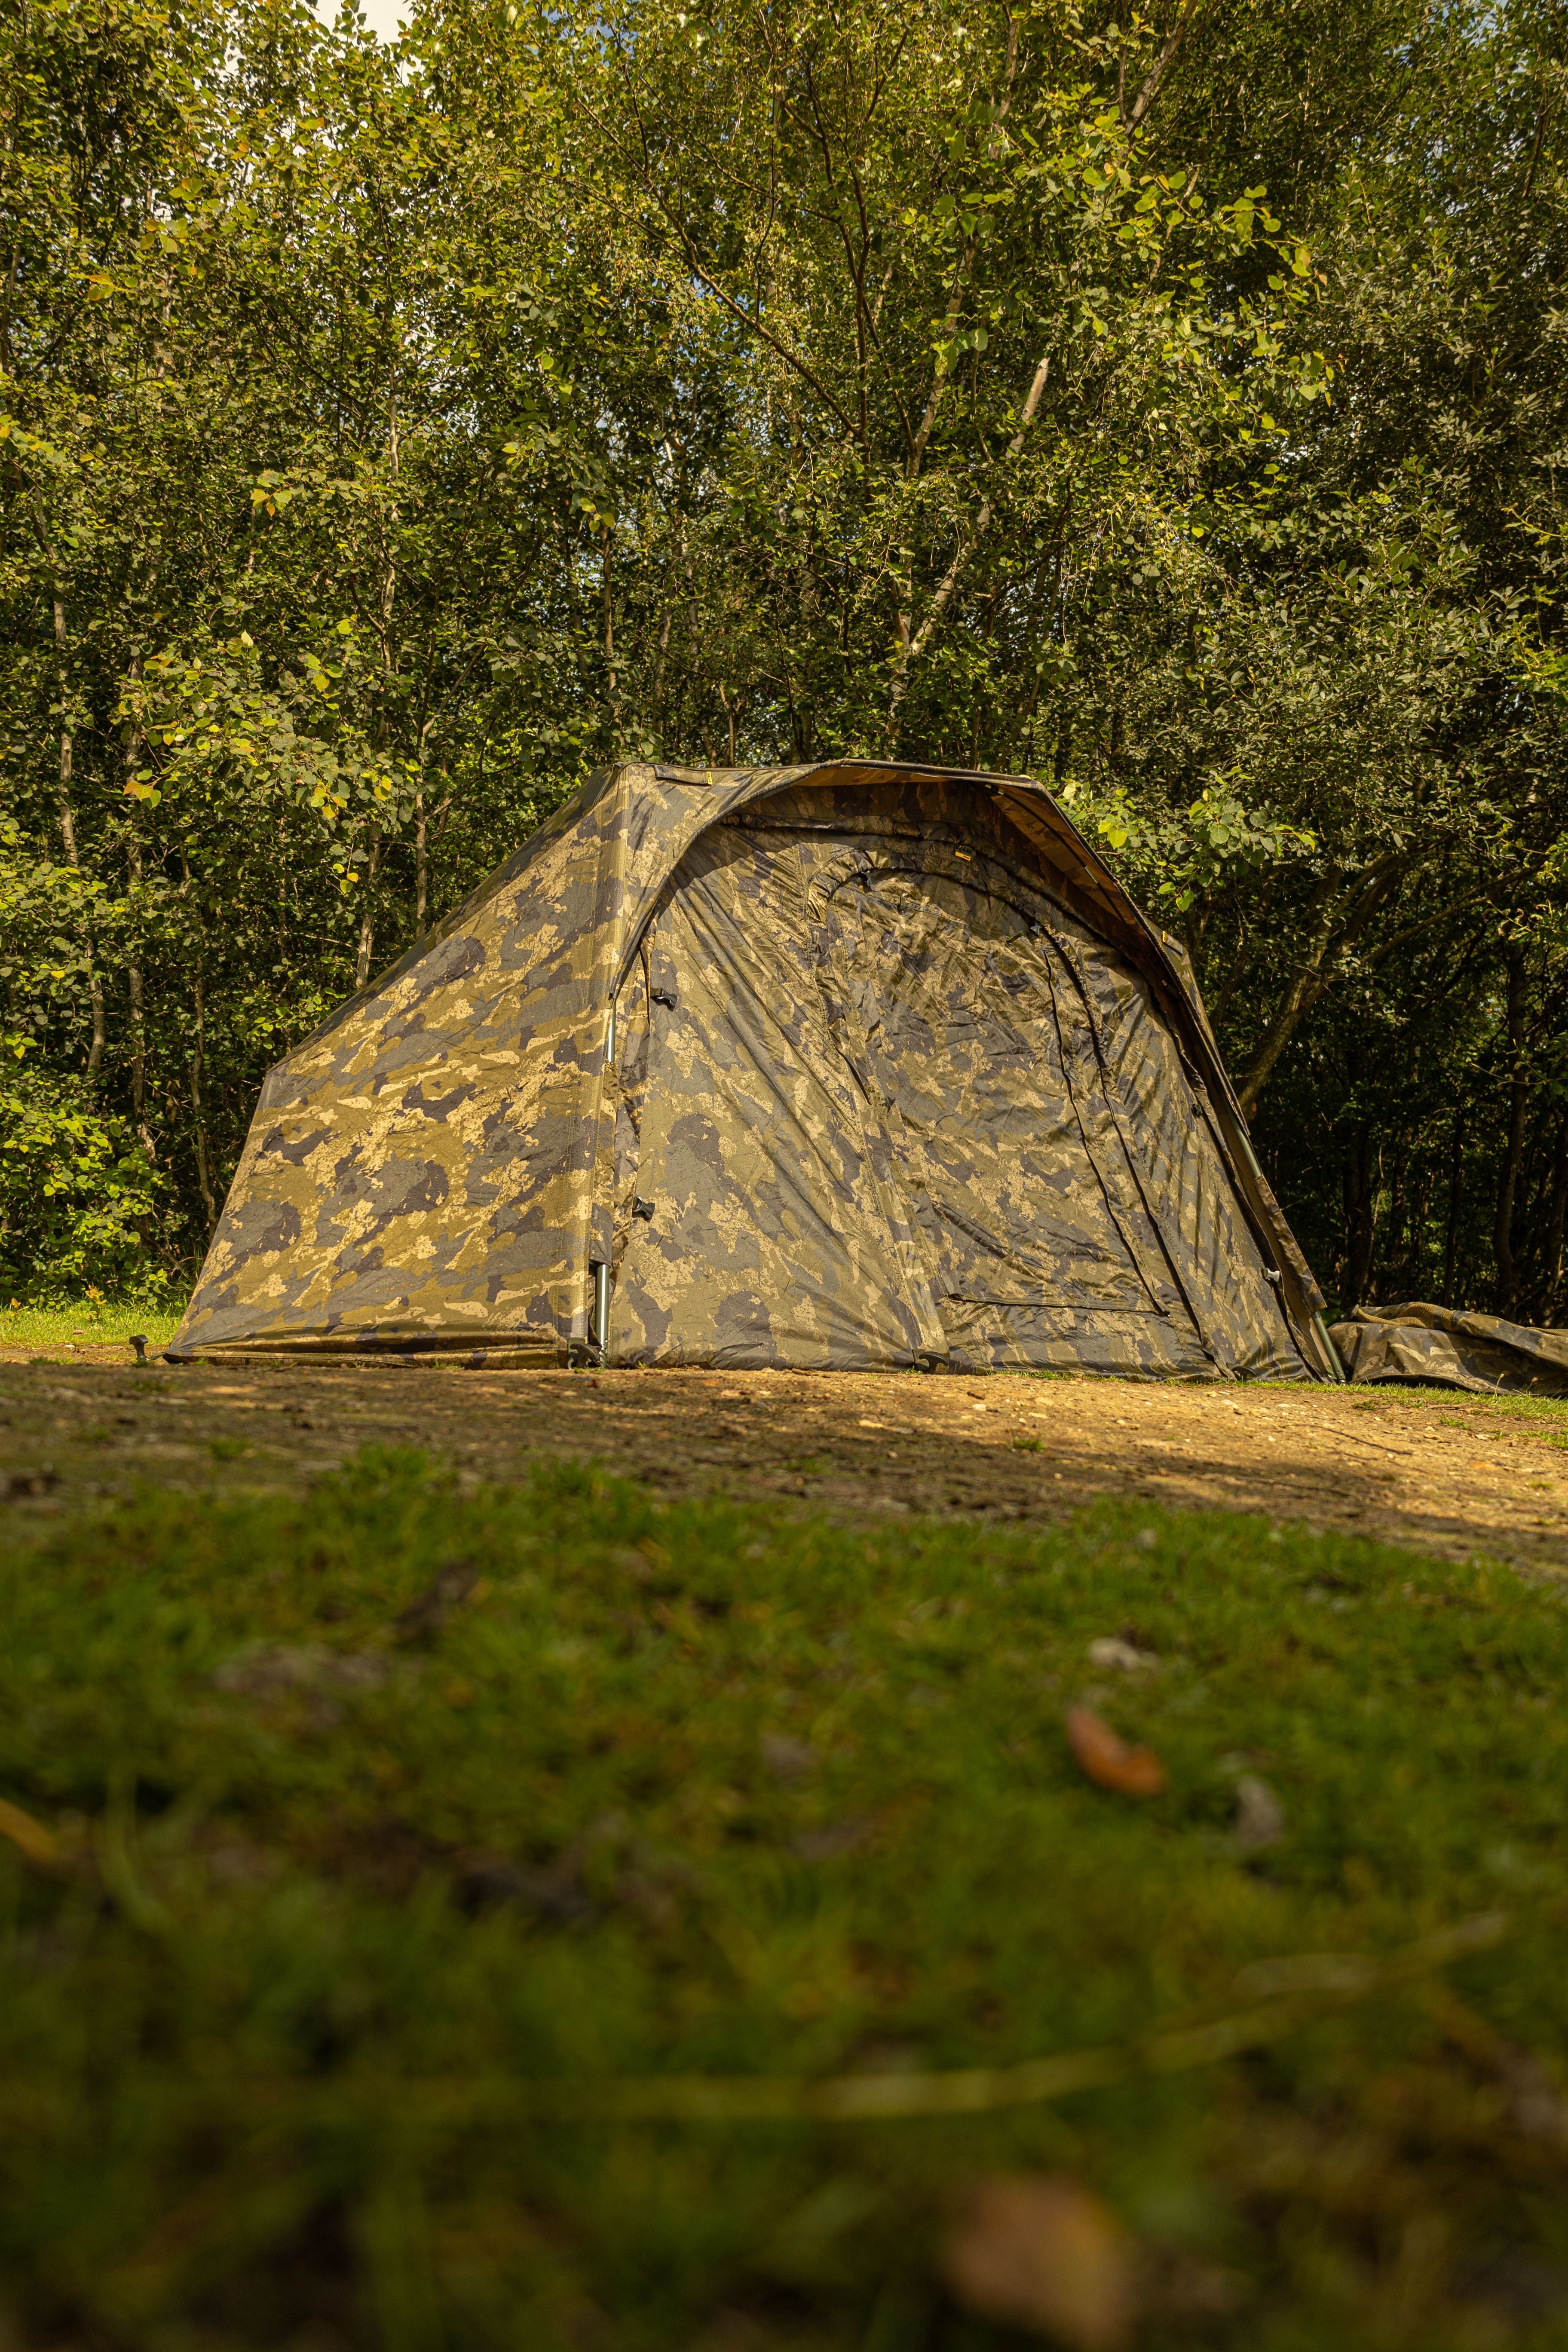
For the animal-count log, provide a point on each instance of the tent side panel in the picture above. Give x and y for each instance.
(1216, 1256)
(1163, 963)
(419, 1172)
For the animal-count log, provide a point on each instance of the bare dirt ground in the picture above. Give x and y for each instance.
(1452, 1474)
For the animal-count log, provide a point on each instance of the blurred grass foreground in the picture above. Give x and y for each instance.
(538, 1917)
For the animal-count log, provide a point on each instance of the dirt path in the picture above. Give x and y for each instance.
(1455, 1474)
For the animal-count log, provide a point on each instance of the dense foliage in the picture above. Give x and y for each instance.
(1173, 409)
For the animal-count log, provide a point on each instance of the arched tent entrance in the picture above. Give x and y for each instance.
(843, 1066)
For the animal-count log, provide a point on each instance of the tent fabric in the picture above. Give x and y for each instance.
(1443, 1346)
(845, 1066)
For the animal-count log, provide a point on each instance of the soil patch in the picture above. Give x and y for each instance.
(1455, 1475)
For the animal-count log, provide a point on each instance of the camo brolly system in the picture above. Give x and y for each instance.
(841, 1066)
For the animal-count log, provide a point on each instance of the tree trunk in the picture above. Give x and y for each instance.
(1360, 1191)
(1451, 1245)
(421, 868)
(1513, 1147)
(198, 1061)
(1552, 1266)
(610, 644)
(198, 1050)
(1340, 915)
(912, 647)
(367, 915)
(388, 598)
(138, 1015)
(1394, 1233)
(67, 765)
(657, 697)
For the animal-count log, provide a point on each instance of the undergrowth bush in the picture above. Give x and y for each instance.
(76, 1193)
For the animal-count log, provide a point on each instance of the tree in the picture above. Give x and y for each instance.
(1170, 409)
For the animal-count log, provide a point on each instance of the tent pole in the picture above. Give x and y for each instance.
(600, 1272)
(1337, 1369)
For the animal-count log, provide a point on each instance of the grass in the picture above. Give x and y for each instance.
(92, 1322)
(353, 1816)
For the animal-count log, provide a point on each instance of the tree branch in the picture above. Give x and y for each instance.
(962, 553)
(1160, 69)
(1344, 922)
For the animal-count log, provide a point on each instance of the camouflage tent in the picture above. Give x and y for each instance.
(845, 1066)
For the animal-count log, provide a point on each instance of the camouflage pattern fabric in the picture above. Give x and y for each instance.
(843, 1066)
(1443, 1346)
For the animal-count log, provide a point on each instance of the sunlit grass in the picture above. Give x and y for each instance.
(87, 1322)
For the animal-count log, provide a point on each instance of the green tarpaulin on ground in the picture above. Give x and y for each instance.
(845, 1066)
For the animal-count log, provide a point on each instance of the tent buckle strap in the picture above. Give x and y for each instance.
(643, 1208)
(663, 996)
(1272, 1274)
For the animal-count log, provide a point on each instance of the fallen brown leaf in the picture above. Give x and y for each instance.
(1036, 2251)
(30, 1837)
(1108, 1761)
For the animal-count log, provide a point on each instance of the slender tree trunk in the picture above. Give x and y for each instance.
(912, 647)
(1394, 1235)
(137, 988)
(1340, 917)
(1451, 1245)
(1064, 745)
(657, 698)
(367, 915)
(198, 1056)
(1551, 1268)
(198, 1060)
(610, 644)
(1513, 1147)
(1531, 1201)
(65, 772)
(388, 596)
(1417, 1231)
(388, 555)
(1359, 1219)
(421, 868)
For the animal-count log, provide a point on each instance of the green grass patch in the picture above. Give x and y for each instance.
(1394, 1396)
(375, 1807)
(89, 1322)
